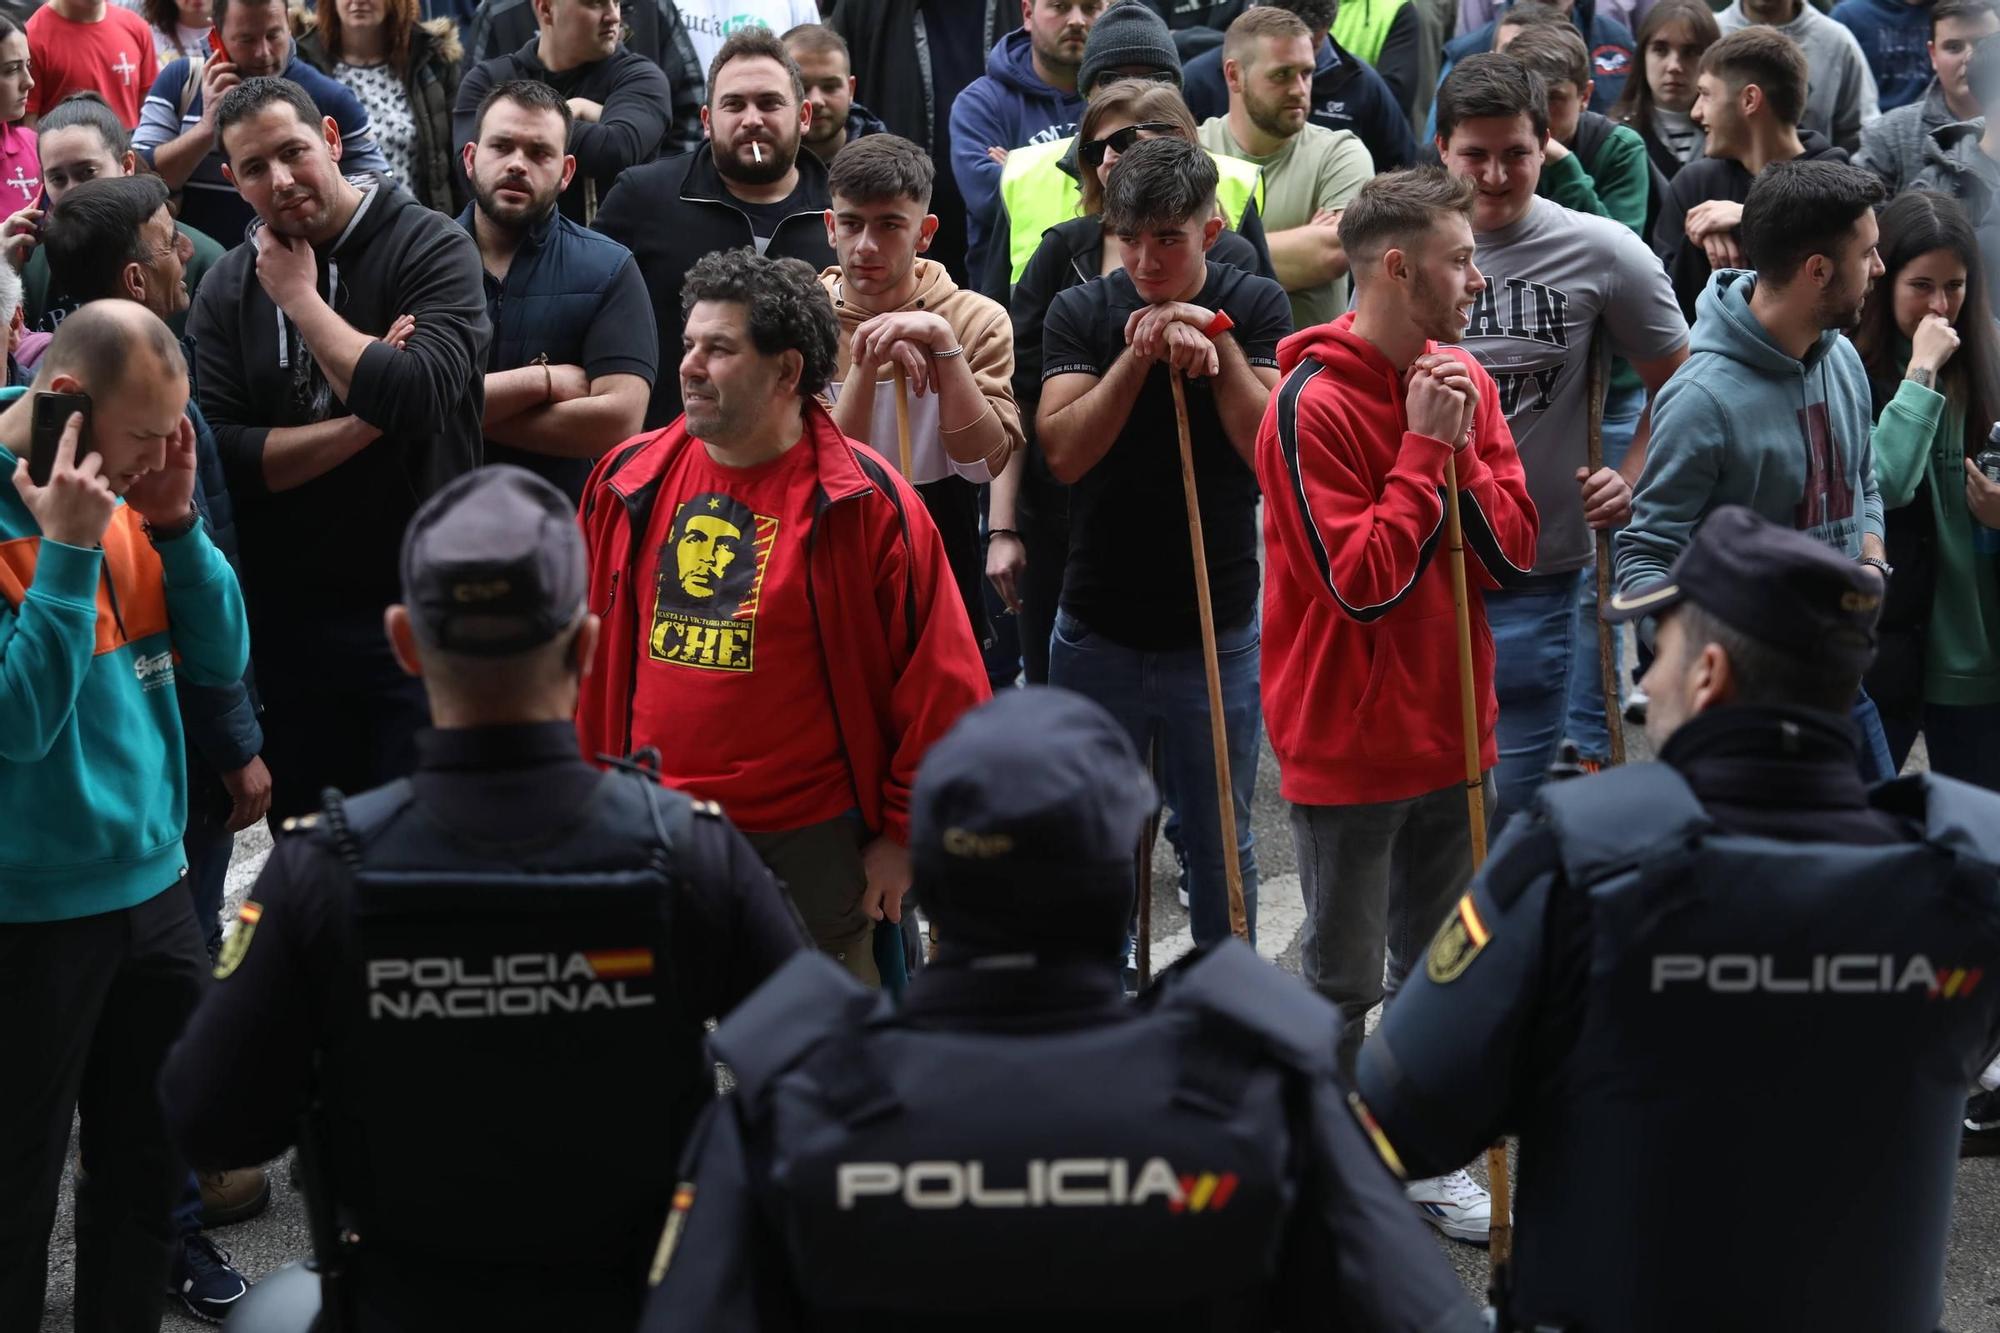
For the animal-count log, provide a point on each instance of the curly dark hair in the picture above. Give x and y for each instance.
(789, 310)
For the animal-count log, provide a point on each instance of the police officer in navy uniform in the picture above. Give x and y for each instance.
(484, 987)
(1658, 961)
(1026, 1148)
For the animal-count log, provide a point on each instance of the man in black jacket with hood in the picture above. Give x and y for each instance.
(617, 98)
(340, 354)
(750, 184)
(1752, 91)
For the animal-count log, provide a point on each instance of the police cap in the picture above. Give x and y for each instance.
(1023, 826)
(493, 564)
(1774, 584)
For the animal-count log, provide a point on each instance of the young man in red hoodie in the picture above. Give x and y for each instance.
(1361, 678)
(779, 619)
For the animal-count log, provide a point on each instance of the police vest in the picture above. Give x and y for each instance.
(518, 1076)
(1140, 1173)
(1362, 26)
(1773, 1053)
(1038, 194)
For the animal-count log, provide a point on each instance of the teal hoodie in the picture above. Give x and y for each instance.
(1921, 435)
(93, 779)
(1741, 422)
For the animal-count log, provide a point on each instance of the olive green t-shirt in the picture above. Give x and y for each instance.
(1317, 168)
(44, 310)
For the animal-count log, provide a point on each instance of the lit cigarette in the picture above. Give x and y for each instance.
(757, 152)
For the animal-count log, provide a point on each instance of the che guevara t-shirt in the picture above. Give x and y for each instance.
(730, 686)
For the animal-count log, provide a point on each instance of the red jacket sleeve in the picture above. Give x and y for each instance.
(1361, 542)
(1493, 505)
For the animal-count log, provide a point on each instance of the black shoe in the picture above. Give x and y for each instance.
(1982, 1126)
(204, 1281)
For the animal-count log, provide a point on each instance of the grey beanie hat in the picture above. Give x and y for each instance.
(1127, 34)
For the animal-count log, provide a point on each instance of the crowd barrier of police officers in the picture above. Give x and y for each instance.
(1676, 992)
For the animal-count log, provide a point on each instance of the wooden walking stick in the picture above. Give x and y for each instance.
(903, 420)
(1607, 635)
(1218, 732)
(1500, 1245)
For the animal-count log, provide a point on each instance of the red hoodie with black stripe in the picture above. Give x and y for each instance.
(1360, 668)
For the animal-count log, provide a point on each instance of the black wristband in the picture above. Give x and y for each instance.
(991, 533)
(176, 531)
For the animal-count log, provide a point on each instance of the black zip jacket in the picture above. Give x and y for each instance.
(331, 545)
(672, 212)
(1699, 181)
(632, 91)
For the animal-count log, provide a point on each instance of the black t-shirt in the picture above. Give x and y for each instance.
(1131, 563)
(764, 218)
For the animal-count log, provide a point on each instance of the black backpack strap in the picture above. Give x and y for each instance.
(350, 821)
(1593, 130)
(808, 1001)
(1239, 995)
(1636, 815)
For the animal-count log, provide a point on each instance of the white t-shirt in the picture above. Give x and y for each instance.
(710, 22)
(928, 460)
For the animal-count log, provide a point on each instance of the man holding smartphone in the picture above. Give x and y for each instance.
(110, 591)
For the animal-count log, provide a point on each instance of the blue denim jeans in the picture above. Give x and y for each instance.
(1532, 632)
(1586, 724)
(1876, 765)
(1162, 698)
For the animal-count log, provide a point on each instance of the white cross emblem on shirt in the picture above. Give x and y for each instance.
(126, 69)
(19, 180)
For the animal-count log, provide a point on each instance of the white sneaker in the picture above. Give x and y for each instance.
(1635, 706)
(1455, 1205)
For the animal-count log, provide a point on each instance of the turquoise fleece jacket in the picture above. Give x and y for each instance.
(1921, 436)
(93, 778)
(1743, 422)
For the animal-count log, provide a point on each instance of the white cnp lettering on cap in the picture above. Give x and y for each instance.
(1062, 1182)
(1819, 974)
(523, 985)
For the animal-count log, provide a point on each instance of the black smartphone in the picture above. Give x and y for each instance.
(52, 412)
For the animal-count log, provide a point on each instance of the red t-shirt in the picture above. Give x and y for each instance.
(731, 688)
(113, 56)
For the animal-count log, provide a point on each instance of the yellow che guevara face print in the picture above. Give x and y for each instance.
(711, 569)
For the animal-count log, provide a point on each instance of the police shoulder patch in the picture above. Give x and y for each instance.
(1458, 942)
(238, 943)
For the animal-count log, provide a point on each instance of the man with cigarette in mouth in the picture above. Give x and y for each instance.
(749, 185)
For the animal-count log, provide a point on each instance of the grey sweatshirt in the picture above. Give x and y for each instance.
(1840, 100)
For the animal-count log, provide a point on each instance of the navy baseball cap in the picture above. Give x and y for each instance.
(1024, 824)
(1773, 583)
(493, 564)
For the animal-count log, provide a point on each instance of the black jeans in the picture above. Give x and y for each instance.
(91, 1006)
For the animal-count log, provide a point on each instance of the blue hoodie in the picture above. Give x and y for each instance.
(1742, 422)
(1008, 108)
(1613, 51)
(93, 786)
(1896, 39)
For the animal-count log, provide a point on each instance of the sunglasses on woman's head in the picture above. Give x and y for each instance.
(1092, 153)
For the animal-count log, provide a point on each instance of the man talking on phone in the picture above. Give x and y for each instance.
(110, 592)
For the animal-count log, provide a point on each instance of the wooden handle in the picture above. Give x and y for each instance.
(903, 420)
(1225, 796)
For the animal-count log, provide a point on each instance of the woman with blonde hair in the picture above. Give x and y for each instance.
(405, 73)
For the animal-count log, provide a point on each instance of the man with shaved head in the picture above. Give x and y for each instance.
(110, 591)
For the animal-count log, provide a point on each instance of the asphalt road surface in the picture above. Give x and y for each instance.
(1972, 1274)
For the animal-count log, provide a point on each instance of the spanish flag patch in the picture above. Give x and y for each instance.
(238, 943)
(1458, 942)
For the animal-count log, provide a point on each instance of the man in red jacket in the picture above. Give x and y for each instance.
(1361, 678)
(780, 623)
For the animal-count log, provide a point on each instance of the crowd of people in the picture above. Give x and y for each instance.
(853, 341)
